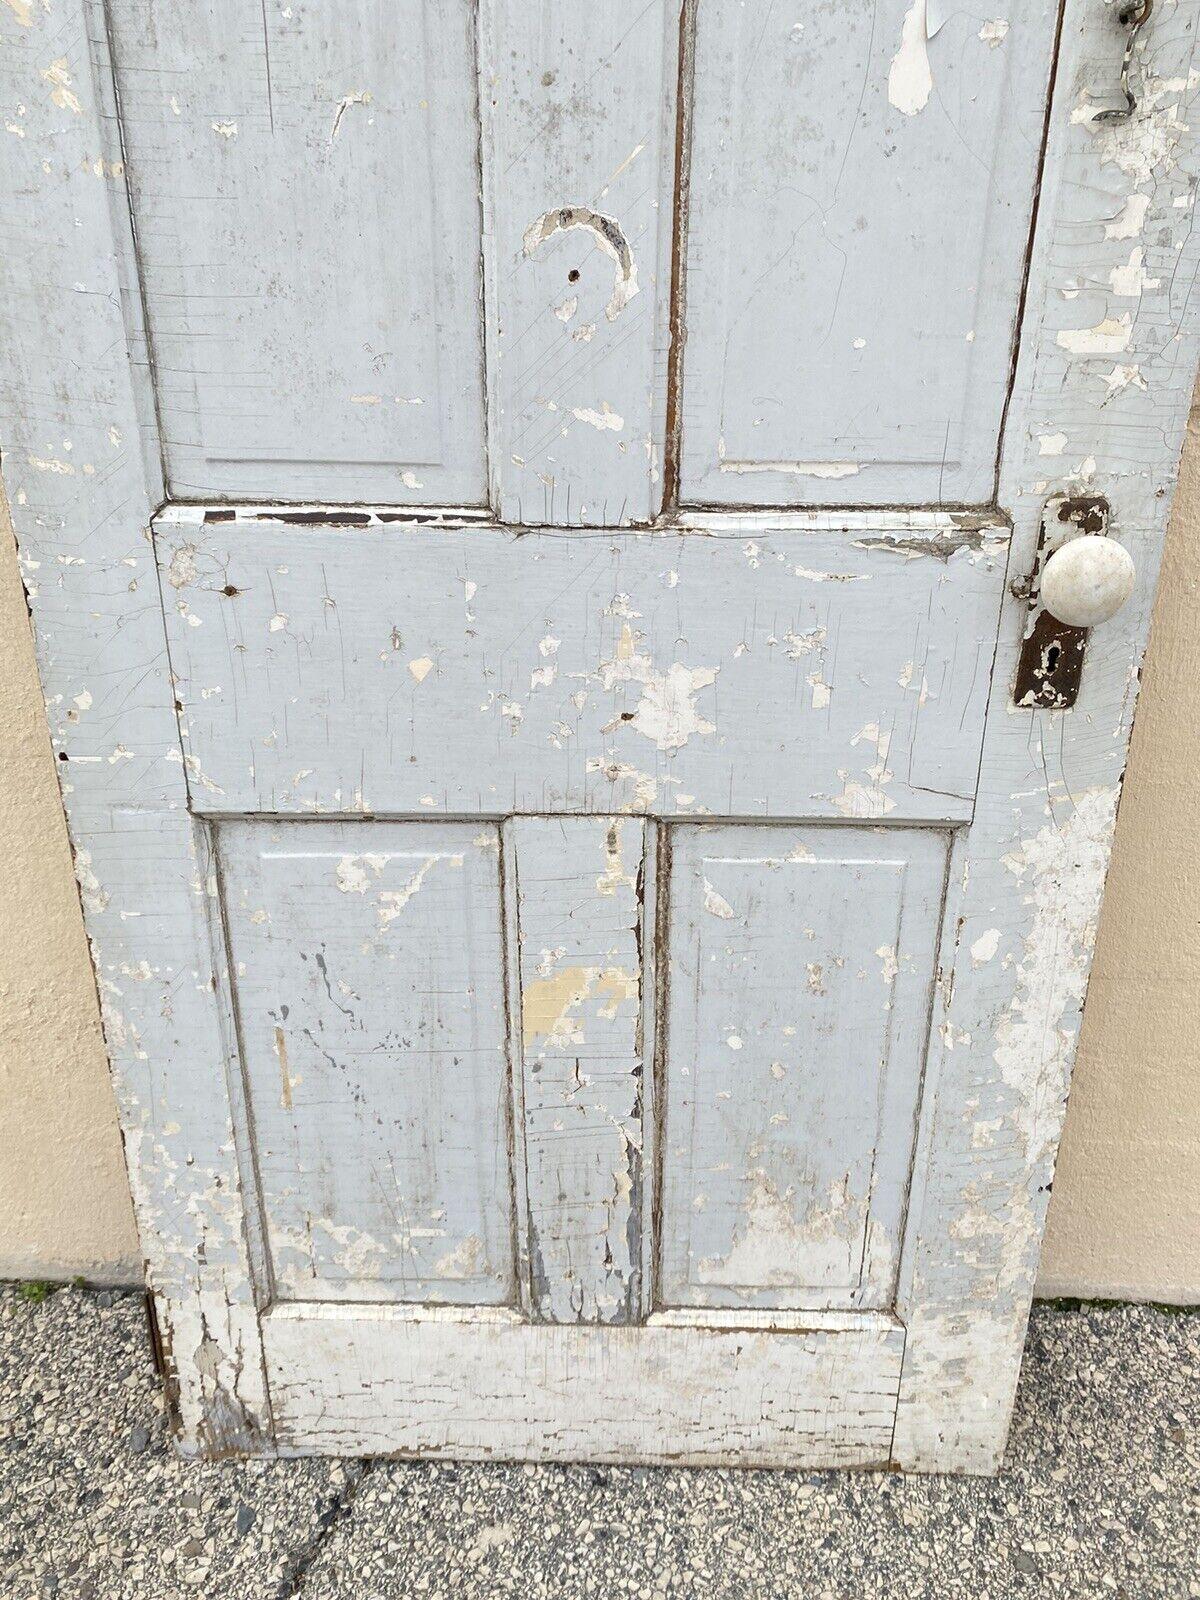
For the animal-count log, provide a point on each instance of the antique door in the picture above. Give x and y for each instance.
(530, 514)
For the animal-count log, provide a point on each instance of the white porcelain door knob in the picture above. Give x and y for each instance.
(1087, 580)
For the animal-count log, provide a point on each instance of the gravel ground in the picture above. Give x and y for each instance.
(1099, 1500)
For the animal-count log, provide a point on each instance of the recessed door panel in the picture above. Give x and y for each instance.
(368, 979)
(861, 182)
(801, 966)
(305, 190)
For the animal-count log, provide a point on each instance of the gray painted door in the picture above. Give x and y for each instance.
(590, 950)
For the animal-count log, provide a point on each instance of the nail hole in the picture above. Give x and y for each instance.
(573, 275)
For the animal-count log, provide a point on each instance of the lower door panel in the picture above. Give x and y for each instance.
(584, 1136)
(393, 1382)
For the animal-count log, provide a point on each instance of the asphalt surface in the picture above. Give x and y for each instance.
(1100, 1496)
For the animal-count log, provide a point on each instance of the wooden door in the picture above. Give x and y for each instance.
(528, 515)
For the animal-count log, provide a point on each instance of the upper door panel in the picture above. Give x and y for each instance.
(860, 195)
(305, 187)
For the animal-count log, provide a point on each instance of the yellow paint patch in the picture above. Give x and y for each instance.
(547, 1003)
(616, 984)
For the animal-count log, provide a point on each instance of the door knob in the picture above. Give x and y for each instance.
(1087, 580)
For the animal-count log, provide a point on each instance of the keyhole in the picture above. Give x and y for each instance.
(1052, 654)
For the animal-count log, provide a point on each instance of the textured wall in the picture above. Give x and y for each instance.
(64, 1207)
(1125, 1218)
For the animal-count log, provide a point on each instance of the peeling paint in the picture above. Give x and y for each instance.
(1062, 869)
(605, 420)
(547, 1004)
(392, 902)
(910, 80)
(614, 877)
(181, 569)
(666, 712)
(772, 1246)
(607, 234)
(61, 92)
(716, 904)
(360, 97)
(1109, 337)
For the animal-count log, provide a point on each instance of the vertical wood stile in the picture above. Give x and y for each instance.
(578, 118)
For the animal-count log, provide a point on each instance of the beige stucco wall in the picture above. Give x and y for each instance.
(1125, 1213)
(1125, 1216)
(64, 1206)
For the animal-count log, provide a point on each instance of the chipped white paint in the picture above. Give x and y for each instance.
(1109, 337)
(666, 712)
(1131, 279)
(715, 903)
(606, 419)
(910, 80)
(391, 902)
(769, 1239)
(61, 92)
(1060, 870)
(1131, 219)
(359, 97)
(607, 234)
(984, 948)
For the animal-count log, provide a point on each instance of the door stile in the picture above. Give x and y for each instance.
(1107, 356)
(82, 493)
(577, 244)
